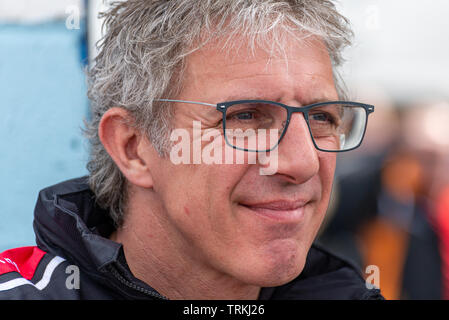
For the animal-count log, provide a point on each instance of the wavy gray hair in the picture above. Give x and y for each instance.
(142, 55)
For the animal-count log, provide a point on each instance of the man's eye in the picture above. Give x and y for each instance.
(323, 117)
(244, 115)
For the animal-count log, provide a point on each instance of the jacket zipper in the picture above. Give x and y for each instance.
(134, 286)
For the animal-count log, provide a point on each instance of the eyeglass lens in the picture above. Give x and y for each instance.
(259, 126)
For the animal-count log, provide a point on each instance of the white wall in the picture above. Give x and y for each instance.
(401, 46)
(34, 11)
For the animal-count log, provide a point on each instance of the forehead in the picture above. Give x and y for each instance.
(302, 68)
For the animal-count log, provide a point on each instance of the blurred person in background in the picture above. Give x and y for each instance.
(404, 231)
(426, 133)
(357, 178)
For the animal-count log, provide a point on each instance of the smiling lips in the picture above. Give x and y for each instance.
(280, 211)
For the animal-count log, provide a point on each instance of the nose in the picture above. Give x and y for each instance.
(298, 159)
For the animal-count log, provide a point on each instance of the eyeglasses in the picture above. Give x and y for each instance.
(260, 125)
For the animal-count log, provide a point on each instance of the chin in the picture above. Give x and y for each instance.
(279, 276)
(282, 262)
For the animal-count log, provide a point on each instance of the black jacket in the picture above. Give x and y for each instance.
(75, 260)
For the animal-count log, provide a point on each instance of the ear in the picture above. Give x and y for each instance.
(127, 146)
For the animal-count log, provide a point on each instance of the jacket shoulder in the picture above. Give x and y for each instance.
(30, 273)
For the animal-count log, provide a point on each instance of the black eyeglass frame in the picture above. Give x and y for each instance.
(223, 107)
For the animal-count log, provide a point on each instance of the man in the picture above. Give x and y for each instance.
(251, 82)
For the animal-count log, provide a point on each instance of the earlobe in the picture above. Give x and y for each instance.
(125, 143)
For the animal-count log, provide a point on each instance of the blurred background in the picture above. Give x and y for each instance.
(390, 205)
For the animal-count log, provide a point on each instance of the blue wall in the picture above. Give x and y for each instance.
(43, 103)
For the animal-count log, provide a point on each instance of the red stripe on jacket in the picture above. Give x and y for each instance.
(22, 260)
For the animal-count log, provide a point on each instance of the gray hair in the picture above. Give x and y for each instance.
(142, 57)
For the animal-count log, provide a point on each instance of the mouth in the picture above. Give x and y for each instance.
(282, 211)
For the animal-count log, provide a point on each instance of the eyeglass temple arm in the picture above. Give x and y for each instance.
(184, 101)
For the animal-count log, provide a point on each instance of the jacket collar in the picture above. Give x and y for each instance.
(68, 223)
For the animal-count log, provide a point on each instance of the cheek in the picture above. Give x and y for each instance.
(198, 194)
(202, 213)
(326, 176)
(327, 171)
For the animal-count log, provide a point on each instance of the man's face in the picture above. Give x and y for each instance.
(227, 217)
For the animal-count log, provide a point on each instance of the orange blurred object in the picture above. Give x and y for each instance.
(385, 245)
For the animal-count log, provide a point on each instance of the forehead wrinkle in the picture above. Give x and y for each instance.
(232, 59)
(231, 69)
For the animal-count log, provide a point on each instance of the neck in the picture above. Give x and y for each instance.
(158, 256)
